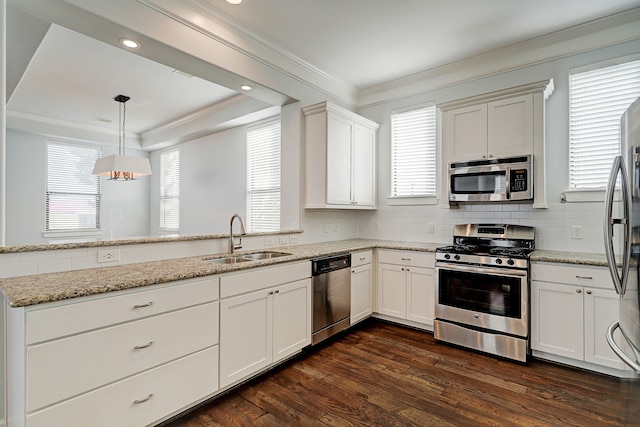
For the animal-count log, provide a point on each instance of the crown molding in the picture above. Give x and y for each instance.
(205, 18)
(608, 31)
(57, 128)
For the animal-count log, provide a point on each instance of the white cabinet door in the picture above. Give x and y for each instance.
(245, 335)
(361, 293)
(363, 166)
(601, 309)
(291, 318)
(510, 127)
(420, 295)
(467, 133)
(392, 294)
(557, 319)
(339, 135)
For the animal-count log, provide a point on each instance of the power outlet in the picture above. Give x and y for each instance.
(430, 228)
(293, 239)
(109, 255)
(269, 241)
(576, 232)
(284, 240)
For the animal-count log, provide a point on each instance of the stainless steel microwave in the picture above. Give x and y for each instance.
(495, 180)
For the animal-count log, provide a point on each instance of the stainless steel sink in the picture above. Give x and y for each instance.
(245, 258)
(264, 255)
(226, 259)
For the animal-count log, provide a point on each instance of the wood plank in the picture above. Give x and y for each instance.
(388, 375)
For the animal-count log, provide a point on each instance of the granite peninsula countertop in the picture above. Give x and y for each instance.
(42, 288)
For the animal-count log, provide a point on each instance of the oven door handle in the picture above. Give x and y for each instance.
(479, 269)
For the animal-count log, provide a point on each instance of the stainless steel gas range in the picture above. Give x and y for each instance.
(482, 289)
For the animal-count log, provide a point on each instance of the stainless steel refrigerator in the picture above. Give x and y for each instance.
(622, 232)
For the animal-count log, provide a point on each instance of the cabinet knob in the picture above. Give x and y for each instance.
(408, 269)
(270, 292)
(484, 156)
(579, 291)
(402, 269)
(589, 292)
(490, 155)
(277, 291)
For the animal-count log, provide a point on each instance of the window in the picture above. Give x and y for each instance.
(413, 153)
(263, 177)
(73, 193)
(598, 97)
(170, 190)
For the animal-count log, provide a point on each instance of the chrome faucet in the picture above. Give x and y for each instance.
(232, 246)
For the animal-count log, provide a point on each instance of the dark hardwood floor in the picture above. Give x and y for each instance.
(387, 375)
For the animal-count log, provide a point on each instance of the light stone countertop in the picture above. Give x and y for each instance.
(42, 288)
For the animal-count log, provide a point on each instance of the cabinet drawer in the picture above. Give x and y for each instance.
(361, 258)
(172, 387)
(64, 368)
(50, 323)
(579, 275)
(414, 258)
(253, 280)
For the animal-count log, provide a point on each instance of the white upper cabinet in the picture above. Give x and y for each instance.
(490, 130)
(340, 153)
(506, 123)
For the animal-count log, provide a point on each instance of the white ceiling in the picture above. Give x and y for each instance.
(361, 42)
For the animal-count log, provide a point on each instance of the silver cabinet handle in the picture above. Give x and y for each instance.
(579, 291)
(147, 345)
(584, 277)
(149, 304)
(363, 258)
(146, 399)
(406, 259)
(588, 292)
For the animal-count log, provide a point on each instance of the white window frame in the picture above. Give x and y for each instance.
(170, 191)
(264, 149)
(579, 188)
(428, 154)
(83, 185)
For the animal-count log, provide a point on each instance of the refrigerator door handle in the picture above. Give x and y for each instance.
(618, 351)
(619, 278)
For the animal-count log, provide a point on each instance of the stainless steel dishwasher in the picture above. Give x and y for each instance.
(331, 281)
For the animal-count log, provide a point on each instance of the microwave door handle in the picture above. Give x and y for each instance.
(507, 184)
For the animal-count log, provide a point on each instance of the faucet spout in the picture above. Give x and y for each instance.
(232, 245)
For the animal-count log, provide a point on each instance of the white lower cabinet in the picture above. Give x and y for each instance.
(406, 283)
(140, 400)
(128, 359)
(361, 286)
(265, 316)
(572, 307)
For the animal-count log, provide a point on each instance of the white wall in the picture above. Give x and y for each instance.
(125, 205)
(553, 225)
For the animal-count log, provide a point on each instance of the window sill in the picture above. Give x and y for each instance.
(585, 196)
(410, 201)
(72, 236)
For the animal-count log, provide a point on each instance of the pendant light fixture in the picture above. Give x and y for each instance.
(120, 166)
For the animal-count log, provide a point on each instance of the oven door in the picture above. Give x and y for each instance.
(483, 297)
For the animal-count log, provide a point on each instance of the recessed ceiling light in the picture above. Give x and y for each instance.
(131, 44)
(246, 87)
(234, 1)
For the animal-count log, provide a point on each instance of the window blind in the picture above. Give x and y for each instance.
(597, 100)
(170, 190)
(413, 153)
(263, 177)
(73, 193)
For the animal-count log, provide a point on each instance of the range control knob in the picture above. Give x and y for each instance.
(510, 261)
(456, 257)
(447, 256)
(499, 261)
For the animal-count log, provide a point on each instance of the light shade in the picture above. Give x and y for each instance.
(122, 167)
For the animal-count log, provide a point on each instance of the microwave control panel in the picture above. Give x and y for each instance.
(518, 180)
